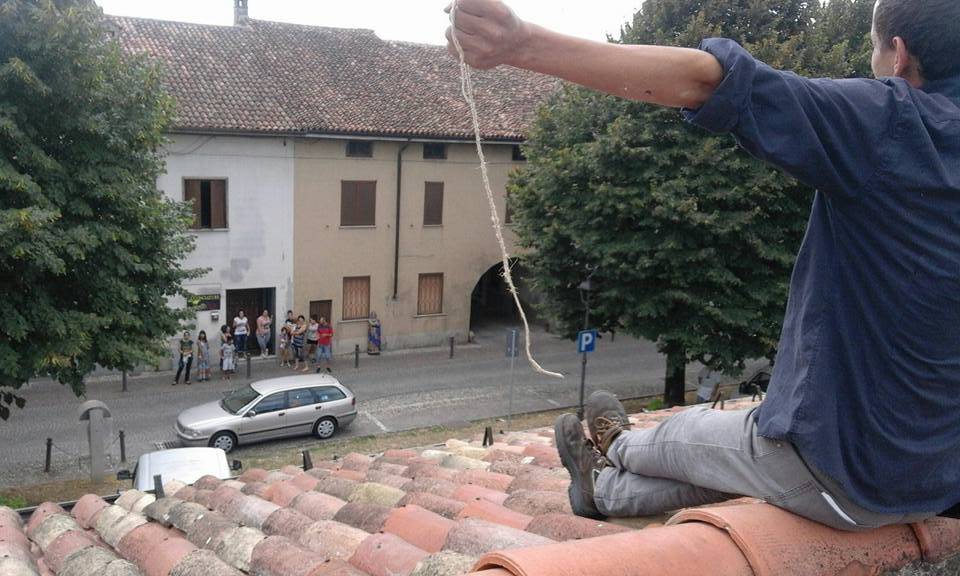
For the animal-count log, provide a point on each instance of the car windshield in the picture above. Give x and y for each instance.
(239, 398)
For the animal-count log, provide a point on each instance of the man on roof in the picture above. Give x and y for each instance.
(860, 425)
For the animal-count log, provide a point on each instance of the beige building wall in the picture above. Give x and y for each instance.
(462, 248)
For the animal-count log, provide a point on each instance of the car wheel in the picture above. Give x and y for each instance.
(225, 441)
(325, 428)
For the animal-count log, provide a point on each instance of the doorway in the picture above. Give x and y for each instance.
(253, 301)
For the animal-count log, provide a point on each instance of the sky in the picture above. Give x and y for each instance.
(411, 20)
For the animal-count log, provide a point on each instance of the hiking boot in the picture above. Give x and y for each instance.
(581, 461)
(606, 419)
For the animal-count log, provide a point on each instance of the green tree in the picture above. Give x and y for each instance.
(90, 250)
(689, 240)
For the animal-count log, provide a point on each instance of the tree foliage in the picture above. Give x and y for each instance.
(689, 240)
(90, 250)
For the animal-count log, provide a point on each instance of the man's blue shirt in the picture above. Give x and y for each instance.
(867, 377)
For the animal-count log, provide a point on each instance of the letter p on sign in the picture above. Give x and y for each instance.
(586, 341)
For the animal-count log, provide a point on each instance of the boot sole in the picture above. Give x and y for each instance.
(575, 491)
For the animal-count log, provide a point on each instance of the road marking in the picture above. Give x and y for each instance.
(554, 402)
(375, 421)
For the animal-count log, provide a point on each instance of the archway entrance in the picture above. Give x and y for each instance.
(491, 304)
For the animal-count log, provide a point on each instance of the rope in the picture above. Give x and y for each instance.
(466, 88)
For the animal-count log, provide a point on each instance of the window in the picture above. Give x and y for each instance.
(518, 155)
(433, 204)
(430, 295)
(434, 151)
(358, 203)
(356, 298)
(328, 394)
(209, 198)
(271, 403)
(301, 397)
(360, 149)
(507, 212)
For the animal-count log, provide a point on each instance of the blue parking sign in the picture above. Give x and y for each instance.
(586, 341)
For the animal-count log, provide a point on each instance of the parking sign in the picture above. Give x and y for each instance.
(586, 341)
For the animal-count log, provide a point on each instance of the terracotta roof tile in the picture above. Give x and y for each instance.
(305, 481)
(475, 537)
(363, 515)
(332, 539)
(342, 488)
(387, 555)
(283, 492)
(446, 507)
(388, 467)
(317, 505)
(486, 510)
(536, 503)
(431, 485)
(355, 475)
(419, 526)
(385, 478)
(375, 493)
(278, 556)
(561, 527)
(444, 564)
(287, 522)
(253, 475)
(470, 492)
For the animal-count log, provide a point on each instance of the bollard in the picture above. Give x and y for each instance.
(158, 487)
(124, 380)
(46, 462)
(356, 356)
(248, 365)
(451, 346)
(123, 447)
(307, 461)
(488, 436)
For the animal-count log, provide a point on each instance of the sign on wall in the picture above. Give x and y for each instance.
(204, 302)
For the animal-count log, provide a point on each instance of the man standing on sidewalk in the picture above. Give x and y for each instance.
(860, 425)
(324, 344)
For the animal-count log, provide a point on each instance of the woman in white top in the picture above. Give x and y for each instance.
(241, 327)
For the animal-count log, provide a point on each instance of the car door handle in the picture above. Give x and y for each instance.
(282, 414)
(318, 407)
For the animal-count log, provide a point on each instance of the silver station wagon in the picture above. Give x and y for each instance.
(274, 408)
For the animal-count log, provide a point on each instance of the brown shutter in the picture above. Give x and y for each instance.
(433, 204)
(218, 203)
(367, 203)
(430, 294)
(191, 193)
(347, 196)
(356, 298)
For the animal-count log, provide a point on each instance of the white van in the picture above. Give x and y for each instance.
(184, 464)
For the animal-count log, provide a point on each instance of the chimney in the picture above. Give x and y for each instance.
(240, 12)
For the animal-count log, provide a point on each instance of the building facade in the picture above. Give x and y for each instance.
(334, 173)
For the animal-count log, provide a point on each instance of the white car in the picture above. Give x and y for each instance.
(184, 464)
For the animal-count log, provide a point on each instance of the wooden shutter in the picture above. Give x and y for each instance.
(433, 204)
(191, 193)
(430, 294)
(358, 203)
(356, 298)
(218, 203)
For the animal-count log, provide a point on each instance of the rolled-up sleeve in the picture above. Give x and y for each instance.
(826, 133)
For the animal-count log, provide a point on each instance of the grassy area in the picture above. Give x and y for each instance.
(270, 456)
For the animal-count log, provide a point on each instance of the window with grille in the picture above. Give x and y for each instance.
(430, 295)
(358, 203)
(209, 199)
(434, 151)
(433, 204)
(356, 298)
(360, 149)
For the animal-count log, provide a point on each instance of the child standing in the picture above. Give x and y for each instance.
(284, 346)
(203, 356)
(227, 351)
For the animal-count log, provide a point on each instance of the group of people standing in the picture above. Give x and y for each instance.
(301, 343)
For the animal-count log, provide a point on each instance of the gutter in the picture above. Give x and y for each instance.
(396, 239)
(340, 136)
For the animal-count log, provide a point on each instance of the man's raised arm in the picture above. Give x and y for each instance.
(491, 34)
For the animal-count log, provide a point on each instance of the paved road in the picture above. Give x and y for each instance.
(395, 391)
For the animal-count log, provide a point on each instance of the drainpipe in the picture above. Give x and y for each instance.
(396, 239)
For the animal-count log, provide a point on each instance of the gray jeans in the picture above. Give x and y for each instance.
(702, 456)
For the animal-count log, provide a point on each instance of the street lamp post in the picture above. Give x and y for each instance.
(585, 287)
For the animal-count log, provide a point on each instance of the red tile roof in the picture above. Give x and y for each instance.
(271, 77)
(499, 511)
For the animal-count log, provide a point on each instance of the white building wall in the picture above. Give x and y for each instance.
(256, 249)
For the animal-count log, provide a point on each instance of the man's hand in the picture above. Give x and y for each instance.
(489, 33)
